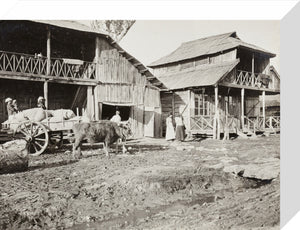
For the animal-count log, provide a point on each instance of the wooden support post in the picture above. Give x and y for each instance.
(173, 105)
(46, 94)
(90, 103)
(48, 52)
(216, 125)
(263, 109)
(96, 99)
(242, 108)
(226, 127)
(189, 110)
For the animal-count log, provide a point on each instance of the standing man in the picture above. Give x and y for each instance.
(116, 118)
(9, 106)
(41, 103)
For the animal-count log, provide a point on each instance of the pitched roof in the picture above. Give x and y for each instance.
(203, 75)
(206, 46)
(69, 24)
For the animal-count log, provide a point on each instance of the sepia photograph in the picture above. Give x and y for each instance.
(140, 124)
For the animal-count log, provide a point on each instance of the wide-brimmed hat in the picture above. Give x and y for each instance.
(8, 99)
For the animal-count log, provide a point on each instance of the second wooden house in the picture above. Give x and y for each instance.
(216, 82)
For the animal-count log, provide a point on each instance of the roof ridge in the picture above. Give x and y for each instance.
(211, 36)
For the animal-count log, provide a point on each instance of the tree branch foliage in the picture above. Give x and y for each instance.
(117, 29)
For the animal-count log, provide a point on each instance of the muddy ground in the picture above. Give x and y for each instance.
(206, 184)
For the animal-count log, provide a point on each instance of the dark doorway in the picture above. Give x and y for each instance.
(108, 111)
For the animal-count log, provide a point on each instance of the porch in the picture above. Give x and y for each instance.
(204, 124)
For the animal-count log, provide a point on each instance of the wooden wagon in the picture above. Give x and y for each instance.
(39, 135)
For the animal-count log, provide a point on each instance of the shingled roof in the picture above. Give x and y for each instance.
(204, 75)
(207, 46)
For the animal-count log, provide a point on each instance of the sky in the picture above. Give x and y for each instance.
(150, 40)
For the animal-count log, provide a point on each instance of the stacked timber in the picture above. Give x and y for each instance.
(13, 157)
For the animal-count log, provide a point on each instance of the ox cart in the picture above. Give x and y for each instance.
(40, 135)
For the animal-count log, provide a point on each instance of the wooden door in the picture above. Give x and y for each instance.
(149, 123)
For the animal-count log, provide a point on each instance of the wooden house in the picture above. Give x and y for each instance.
(215, 84)
(73, 67)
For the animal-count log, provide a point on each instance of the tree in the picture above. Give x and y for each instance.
(117, 29)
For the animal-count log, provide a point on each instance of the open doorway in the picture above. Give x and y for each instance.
(108, 111)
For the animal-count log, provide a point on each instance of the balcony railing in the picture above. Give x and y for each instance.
(34, 65)
(258, 80)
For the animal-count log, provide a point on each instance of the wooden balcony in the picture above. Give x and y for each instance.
(34, 66)
(255, 80)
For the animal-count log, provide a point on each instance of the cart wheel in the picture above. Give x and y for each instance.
(36, 136)
(56, 138)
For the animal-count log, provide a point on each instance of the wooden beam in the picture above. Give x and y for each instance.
(36, 77)
(151, 78)
(46, 93)
(189, 110)
(242, 108)
(143, 70)
(97, 49)
(173, 105)
(129, 59)
(48, 51)
(90, 103)
(215, 124)
(137, 64)
(96, 99)
(248, 87)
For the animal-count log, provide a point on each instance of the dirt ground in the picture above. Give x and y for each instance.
(206, 184)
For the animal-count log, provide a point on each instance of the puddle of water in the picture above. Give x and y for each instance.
(132, 218)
